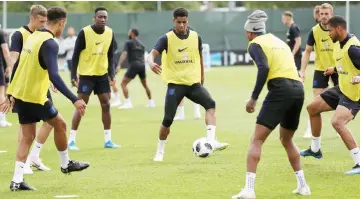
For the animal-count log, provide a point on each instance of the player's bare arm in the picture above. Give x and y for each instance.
(123, 56)
(150, 60)
(305, 61)
(297, 45)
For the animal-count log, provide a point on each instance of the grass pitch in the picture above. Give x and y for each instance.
(130, 173)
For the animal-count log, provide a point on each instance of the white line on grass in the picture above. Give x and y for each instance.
(66, 196)
(3, 151)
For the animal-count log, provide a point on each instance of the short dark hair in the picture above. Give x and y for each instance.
(135, 31)
(100, 8)
(288, 14)
(55, 14)
(337, 21)
(180, 12)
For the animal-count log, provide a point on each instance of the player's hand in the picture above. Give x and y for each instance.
(302, 75)
(7, 104)
(355, 80)
(329, 71)
(55, 90)
(156, 68)
(112, 82)
(7, 71)
(251, 104)
(80, 106)
(74, 82)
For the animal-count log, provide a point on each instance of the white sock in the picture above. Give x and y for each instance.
(127, 101)
(301, 182)
(2, 117)
(180, 111)
(161, 144)
(355, 153)
(211, 132)
(36, 149)
(64, 158)
(107, 135)
(116, 96)
(19, 172)
(72, 135)
(250, 178)
(197, 109)
(316, 144)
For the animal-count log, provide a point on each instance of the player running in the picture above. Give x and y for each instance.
(184, 74)
(38, 18)
(93, 61)
(343, 98)
(282, 105)
(38, 65)
(134, 51)
(320, 41)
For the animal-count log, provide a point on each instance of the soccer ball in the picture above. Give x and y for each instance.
(202, 148)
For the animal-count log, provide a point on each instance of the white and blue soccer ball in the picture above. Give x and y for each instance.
(202, 147)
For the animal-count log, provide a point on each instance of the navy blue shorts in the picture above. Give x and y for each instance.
(98, 84)
(29, 113)
(321, 81)
(133, 71)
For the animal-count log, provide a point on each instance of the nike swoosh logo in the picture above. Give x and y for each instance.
(256, 29)
(208, 129)
(97, 43)
(355, 153)
(323, 40)
(338, 59)
(181, 50)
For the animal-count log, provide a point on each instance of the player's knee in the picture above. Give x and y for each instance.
(337, 123)
(105, 106)
(167, 121)
(312, 109)
(211, 104)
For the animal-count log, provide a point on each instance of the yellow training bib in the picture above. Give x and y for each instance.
(31, 81)
(323, 48)
(93, 60)
(280, 59)
(182, 61)
(346, 70)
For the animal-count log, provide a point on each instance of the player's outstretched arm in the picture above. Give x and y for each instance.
(261, 61)
(79, 46)
(48, 60)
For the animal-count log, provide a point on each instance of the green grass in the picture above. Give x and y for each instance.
(130, 173)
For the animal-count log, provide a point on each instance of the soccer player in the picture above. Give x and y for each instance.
(134, 50)
(38, 18)
(28, 90)
(343, 98)
(282, 105)
(4, 58)
(183, 72)
(320, 41)
(293, 37)
(93, 61)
